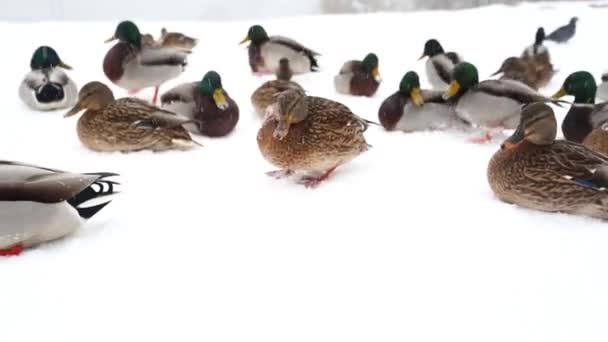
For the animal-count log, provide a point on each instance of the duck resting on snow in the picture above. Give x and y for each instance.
(38, 204)
(47, 86)
(359, 78)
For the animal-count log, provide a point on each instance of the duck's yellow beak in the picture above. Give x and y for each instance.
(453, 89)
(220, 99)
(376, 74)
(416, 96)
(65, 66)
(560, 93)
(113, 38)
(245, 40)
(75, 110)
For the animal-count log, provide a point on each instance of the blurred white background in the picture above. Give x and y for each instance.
(212, 9)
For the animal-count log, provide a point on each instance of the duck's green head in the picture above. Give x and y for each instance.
(45, 57)
(211, 85)
(410, 86)
(370, 64)
(464, 76)
(127, 32)
(581, 85)
(256, 35)
(432, 48)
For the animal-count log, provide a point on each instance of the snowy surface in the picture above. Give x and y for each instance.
(406, 243)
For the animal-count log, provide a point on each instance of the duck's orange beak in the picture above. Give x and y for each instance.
(416, 96)
(453, 89)
(560, 93)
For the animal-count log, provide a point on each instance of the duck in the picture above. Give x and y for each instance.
(538, 56)
(490, 104)
(265, 52)
(176, 40)
(127, 124)
(312, 135)
(597, 139)
(563, 34)
(534, 170)
(206, 102)
(266, 94)
(518, 69)
(41, 204)
(132, 64)
(411, 109)
(47, 87)
(359, 78)
(440, 64)
(602, 89)
(578, 122)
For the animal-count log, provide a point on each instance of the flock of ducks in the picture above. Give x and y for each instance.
(302, 133)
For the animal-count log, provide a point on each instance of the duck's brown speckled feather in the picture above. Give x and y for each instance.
(267, 93)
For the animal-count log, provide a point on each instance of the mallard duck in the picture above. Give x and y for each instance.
(176, 40)
(602, 89)
(518, 69)
(38, 204)
(565, 33)
(359, 78)
(491, 104)
(310, 134)
(207, 102)
(440, 64)
(265, 53)
(578, 122)
(133, 64)
(411, 109)
(46, 86)
(267, 93)
(127, 124)
(535, 171)
(537, 55)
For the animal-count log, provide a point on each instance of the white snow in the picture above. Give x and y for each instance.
(406, 243)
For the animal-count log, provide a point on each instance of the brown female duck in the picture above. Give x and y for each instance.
(535, 171)
(310, 134)
(127, 124)
(359, 78)
(267, 93)
(206, 102)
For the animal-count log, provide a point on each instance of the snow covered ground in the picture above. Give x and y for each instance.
(406, 243)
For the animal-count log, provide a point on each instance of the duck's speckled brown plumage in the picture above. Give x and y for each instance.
(330, 135)
(556, 176)
(597, 140)
(267, 93)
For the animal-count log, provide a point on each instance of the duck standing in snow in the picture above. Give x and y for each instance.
(584, 115)
(535, 171)
(127, 124)
(310, 134)
(266, 95)
(491, 104)
(206, 102)
(440, 64)
(39, 204)
(359, 78)
(412, 109)
(564, 33)
(265, 53)
(133, 65)
(47, 86)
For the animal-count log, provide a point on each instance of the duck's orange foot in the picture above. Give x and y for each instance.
(313, 182)
(482, 139)
(280, 174)
(12, 251)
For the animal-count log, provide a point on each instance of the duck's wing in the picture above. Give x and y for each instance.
(294, 45)
(514, 90)
(599, 115)
(157, 56)
(181, 93)
(146, 116)
(350, 67)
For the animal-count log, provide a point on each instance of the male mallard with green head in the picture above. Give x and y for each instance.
(133, 65)
(47, 86)
(578, 122)
(535, 171)
(266, 95)
(310, 134)
(412, 109)
(359, 78)
(440, 64)
(491, 104)
(206, 102)
(265, 53)
(127, 124)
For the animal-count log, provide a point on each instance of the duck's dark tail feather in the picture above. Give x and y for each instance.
(99, 189)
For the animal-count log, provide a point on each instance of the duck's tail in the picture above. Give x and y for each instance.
(100, 189)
